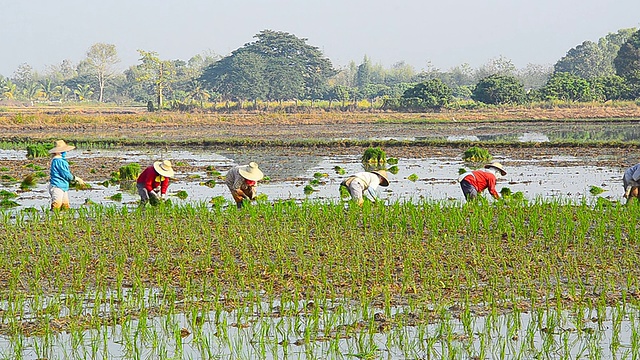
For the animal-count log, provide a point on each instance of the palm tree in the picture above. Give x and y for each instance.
(198, 93)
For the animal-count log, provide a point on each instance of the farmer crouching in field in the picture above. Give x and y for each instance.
(242, 181)
(153, 182)
(477, 181)
(60, 176)
(631, 182)
(369, 181)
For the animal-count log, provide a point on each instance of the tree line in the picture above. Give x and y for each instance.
(279, 67)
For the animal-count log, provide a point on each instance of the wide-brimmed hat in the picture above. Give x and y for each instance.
(164, 168)
(60, 147)
(251, 172)
(384, 176)
(498, 166)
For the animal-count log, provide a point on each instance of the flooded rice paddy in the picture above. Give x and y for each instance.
(548, 176)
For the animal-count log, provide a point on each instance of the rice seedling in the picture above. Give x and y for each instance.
(38, 150)
(308, 190)
(209, 183)
(596, 190)
(374, 155)
(393, 169)
(392, 161)
(181, 194)
(129, 172)
(476, 154)
(412, 177)
(28, 182)
(339, 170)
(4, 168)
(8, 178)
(116, 197)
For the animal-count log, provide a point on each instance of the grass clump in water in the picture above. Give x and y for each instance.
(38, 150)
(374, 155)
(129, 171)
(116, 197)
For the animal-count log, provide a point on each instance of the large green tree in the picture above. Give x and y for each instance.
(627, 63)
(156, 73)
(499, 89)
(278, 65)
(433, 94)
(568, 87)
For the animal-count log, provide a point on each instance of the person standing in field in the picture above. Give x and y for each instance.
(475, 182)
(368, 181)
(153, 182)
(242, 181)
(631, 182)
(60, 176)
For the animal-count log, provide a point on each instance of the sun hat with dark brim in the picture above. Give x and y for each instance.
(60, 147)
(251, 172)
(497, 165)
(383, 175)
(164, 168)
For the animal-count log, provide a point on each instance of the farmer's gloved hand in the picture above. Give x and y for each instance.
(78, 180)
(163, 196)
(154, 194)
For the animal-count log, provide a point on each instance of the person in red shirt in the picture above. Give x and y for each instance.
(153, 182)
(477, 181)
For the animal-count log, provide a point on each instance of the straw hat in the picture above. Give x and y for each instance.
(383, 175)
(164, 168)
(60, 147)
(251, 172)
(497, 165)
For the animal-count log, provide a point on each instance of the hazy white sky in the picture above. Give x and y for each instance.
(445, 32)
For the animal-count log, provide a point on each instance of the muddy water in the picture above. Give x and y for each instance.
(547, 177)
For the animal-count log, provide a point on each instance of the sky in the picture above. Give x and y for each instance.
(422, 33)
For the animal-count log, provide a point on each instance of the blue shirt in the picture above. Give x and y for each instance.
(60, 175)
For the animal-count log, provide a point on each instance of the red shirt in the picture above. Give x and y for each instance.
(483, 180)
(148, 178)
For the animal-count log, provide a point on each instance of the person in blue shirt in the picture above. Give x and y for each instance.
(631, 182)
(60, 176)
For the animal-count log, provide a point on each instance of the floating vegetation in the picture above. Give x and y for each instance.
(8, 178)
(412, 177)
(266, 178)
(596, 190)
(6, 199)
(129, 172)
(28, 182)
(6, 194)
(393, 169)
(182, 194)
(461, 171)
(212, 171)
(209, 183)
(38, 150)
(314, 182)
(392, 161)
(339, 170)
(476, 154)
(218, 201)
(319, 175)
(116, 197)
(308, 189)
(374, 155)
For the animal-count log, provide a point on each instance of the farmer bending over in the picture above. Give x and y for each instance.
(477, 181)
(60, 176)
(631, 182)
(153, 182)
(242, 181)
(369, 181)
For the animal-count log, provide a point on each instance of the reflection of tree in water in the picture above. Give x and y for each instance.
(619, 133)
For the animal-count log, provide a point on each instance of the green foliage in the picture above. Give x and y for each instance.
(308, 189)
(567, 87)
(182, 194)
(412, 177)
(129, 172)
(393, 169)
(461, 171)
(28, 182)
(476, 154)
(218, 201)
(339, 170)
(7, 203)
(374, 155)
(432, 94)
(116, 197)
(319, 175)
(595, 190)
(499, 89)
(4, 168)
(627, 63)
(5, 194)
(392, 161)
(612, 87)
(38, 150)
(344, 193)
(209, 183)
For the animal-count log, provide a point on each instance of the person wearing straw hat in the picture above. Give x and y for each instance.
(631, 183)
(242, 180)
(475, 182)
(367, 180)
(60, 176)
(153, 182)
